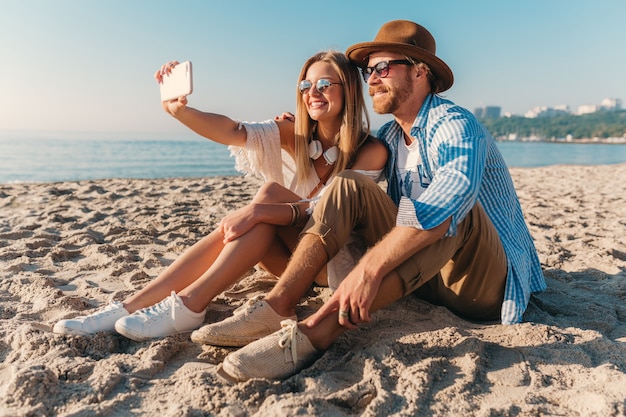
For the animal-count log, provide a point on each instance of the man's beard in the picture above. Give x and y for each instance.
(395, 96)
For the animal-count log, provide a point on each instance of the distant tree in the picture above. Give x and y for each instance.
(603, 124)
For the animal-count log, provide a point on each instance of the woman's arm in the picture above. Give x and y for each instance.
(287, 136)
(216, 127)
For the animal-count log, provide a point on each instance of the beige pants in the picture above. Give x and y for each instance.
(466, 273)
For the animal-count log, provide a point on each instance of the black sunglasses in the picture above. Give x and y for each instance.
(321, 85)
(382, 68)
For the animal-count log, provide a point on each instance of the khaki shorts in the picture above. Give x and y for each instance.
(466, 273)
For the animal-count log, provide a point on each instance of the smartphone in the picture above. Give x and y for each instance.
(178, 82)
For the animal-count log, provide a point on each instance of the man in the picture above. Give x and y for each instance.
(451, 230)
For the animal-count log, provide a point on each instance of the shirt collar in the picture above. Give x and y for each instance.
(422, 116)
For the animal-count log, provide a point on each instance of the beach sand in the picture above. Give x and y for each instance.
(66, 248)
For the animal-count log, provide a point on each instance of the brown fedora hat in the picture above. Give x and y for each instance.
(407, 38)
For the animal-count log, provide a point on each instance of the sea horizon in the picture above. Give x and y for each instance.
(75, 156)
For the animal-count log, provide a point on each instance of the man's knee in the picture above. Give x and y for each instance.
(349, 173)
(351, 185)
(357, 177)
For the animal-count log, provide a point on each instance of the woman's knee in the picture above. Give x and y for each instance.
(270, 192)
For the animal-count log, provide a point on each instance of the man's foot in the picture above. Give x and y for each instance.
(277, 356)
(102, 320)
(165, 318)
(250, 322)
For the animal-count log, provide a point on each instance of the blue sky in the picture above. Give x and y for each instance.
(82, 65)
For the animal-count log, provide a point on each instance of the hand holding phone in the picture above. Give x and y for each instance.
(178, 82)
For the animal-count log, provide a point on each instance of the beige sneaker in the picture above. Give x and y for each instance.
(250, 322)
(277, 356)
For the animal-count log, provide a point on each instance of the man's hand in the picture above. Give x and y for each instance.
(352, 300)
(286, 116)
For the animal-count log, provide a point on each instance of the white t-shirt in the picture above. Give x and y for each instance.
(413, 181)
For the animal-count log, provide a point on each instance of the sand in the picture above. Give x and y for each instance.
(66, 248)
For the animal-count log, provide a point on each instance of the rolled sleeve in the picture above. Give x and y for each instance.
(458, 169)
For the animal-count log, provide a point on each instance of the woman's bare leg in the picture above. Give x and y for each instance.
(238, 256)
(186, 269)
(235, 259)
(209, 267)
(277, 258)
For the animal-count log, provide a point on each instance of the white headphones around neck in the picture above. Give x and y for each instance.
(315, 151)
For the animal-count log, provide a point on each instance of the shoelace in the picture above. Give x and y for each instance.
(287, 338)
(106, 311)
(249, 304)
(170, 302)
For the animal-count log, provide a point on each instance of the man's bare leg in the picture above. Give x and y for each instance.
(307, 261)
(324, 333)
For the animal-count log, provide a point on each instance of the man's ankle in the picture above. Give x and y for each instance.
(281, 308)
(321, 343)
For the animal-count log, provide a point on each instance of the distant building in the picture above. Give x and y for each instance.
(487, 112)
(611, 104)
(492, 112)
(587, 109)
(563, 108)
(608, 104)
(544, 111)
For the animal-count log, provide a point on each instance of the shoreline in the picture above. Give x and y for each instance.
(68, 247)
(609, 141)
(227, 177)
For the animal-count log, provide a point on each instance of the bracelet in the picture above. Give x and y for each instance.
(295, 214)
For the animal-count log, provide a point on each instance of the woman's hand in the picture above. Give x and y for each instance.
(238, 223)
(176, 106)
(164, 70)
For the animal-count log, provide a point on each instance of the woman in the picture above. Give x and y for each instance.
(296, 160)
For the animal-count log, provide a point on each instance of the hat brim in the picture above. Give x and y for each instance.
(358, 54)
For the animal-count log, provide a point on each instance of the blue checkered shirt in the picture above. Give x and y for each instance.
(463, 165)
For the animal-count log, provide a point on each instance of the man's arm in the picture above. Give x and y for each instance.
(359, 289)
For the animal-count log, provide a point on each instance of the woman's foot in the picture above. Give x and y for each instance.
(165, 318)
(102, 320)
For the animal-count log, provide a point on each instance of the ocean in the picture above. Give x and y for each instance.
(27, 158)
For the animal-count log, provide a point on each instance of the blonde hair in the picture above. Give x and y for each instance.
(355, 124)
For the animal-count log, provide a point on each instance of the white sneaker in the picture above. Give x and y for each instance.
(165, 318)
(251, 321)
(101, 321)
